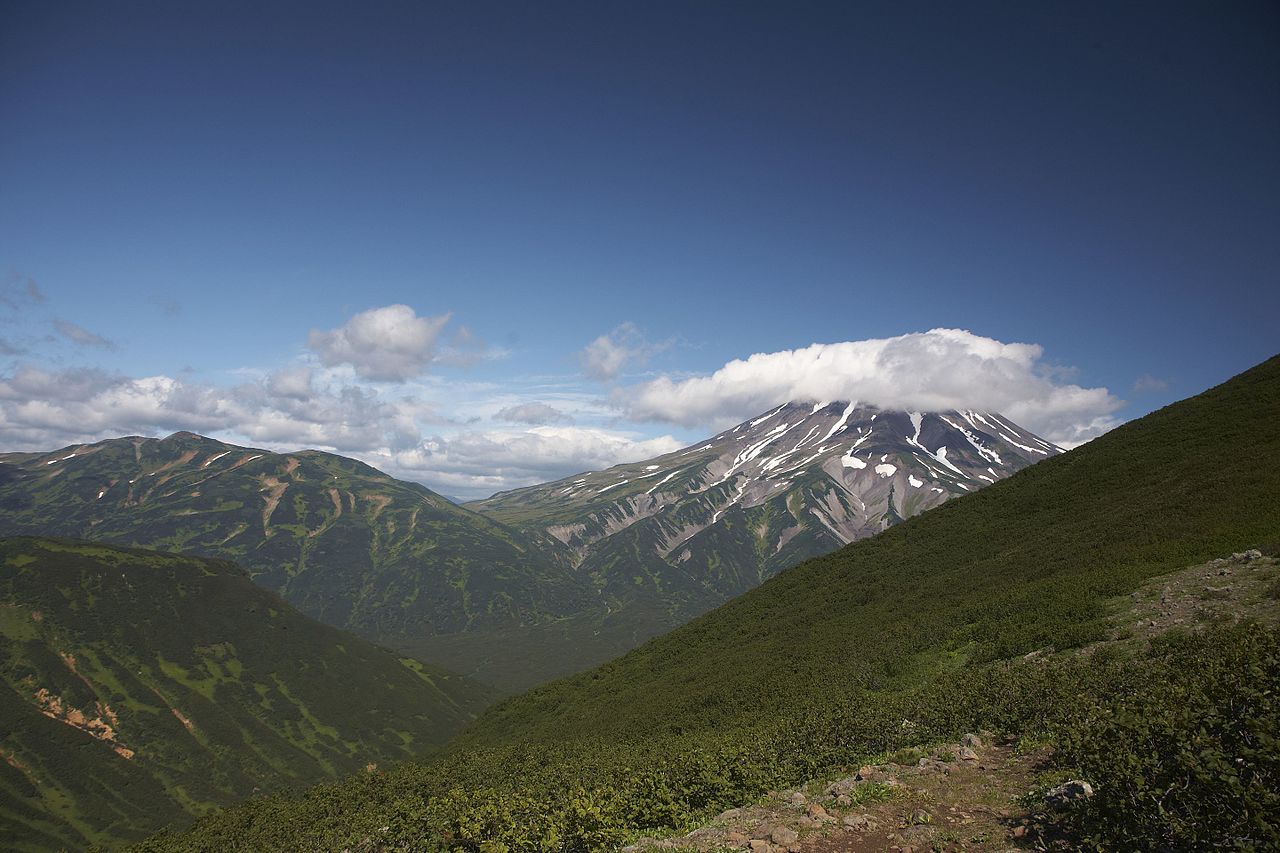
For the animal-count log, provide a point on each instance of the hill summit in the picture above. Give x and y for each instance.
(688, 530)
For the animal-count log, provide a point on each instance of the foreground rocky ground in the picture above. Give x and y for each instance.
(983, 793)
(960, 796)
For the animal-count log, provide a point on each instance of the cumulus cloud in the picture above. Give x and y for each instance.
(81, 336)
(608, 355)
(477, 464)
(41, 409)
(389, 344)
(292, 382)
(935, 370)
(44, 408)
(49, 408)
(532, 413)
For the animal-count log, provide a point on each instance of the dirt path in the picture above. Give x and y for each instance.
(953, 797)
(945, 806)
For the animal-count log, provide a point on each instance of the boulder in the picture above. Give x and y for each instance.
(1068, 793)
(966, 754)
(919, 835)
(784, 836)
(971, 740)
(872, 774)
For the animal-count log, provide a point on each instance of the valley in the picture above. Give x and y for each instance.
(143, 689)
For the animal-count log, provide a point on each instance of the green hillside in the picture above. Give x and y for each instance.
(341, 541)
(915, 635)
(141, 689)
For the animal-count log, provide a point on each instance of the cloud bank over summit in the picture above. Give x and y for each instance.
(926, 371)
(400, 390)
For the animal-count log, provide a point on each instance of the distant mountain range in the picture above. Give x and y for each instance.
(140, 689)
(343, 542)
(533, 583)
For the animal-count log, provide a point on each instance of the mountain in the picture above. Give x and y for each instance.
(142, 689)
(531, 584)
(981, 613)
(687, 531)
(341, 541)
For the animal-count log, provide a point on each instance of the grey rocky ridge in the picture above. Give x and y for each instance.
(686, 531)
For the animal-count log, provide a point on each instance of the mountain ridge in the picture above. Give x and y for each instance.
(344, 542)
(488, 593)
(142, 689)
(686, 531)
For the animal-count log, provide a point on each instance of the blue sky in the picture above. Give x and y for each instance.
(610, 203)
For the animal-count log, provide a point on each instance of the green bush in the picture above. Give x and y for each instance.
(1186, 756)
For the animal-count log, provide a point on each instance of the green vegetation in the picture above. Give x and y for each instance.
(914, 636)
(142, 689)
(346, 544)
(1185, 758)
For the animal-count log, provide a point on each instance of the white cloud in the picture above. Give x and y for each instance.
(385, 344)
(42, 409)
(291, 409)
(293, 382)
(532, 413)
(934, 370)
(608, 355)
(476, 464)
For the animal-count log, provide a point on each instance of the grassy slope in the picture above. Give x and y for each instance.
(760, 691)
(142, 641)
(342, 541)
(1019, 565)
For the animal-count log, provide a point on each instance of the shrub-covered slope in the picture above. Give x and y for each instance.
(142, 688)
(343, 542)
(1017, 566)
(890, 641)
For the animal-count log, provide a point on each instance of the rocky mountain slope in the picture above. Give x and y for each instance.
(338, 539)
(141, 689)
(691, 529)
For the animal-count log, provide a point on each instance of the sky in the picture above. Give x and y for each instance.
(483, 245)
